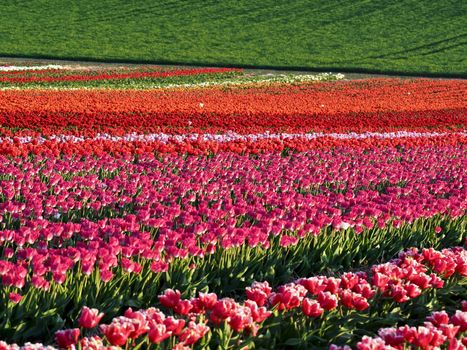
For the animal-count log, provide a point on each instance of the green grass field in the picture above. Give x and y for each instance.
(411, 36)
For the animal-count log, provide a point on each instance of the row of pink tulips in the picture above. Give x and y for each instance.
(56, 214)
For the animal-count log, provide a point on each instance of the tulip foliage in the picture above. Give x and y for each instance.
(241, 215)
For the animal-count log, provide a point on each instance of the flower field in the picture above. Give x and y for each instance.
(211, 208)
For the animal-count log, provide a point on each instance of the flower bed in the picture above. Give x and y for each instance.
(172, 197)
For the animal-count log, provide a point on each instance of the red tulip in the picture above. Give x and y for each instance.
(208, 300)
(439, 318)
(173, 325)
(327, 300)
(460, 319)
(258, 292)
(259, 314)
(117, 333)
(359, 302)
(311, 308)
(170, 298)
(193, 333)
(157, 333)
(314, 285)
(183, 307)
(89, 318)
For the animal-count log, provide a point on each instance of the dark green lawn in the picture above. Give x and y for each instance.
(410, 36)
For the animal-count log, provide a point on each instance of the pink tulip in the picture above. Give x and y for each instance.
(170, 298)
(67, 338)
(15, 297)
(460, 319)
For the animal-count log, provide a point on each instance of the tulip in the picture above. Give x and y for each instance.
(460, 319)
(327, 300)
(259, 314)
(117, 333)
(314, 285)
(92, 343)
(15, 297)
(183, 307)
(89, 318)
(170, 298)
(258, 292)
(173, 325)
(311, 308)
(193, 333)
(208, 300)
(359, 302)
(439, 318)
(67, 338)
(157, 333)
(222, 310)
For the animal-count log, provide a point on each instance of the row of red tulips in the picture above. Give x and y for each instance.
(57, 148)
(374, 95)
(401, 279)
(439, 330)
(90, 124)
(372, 105)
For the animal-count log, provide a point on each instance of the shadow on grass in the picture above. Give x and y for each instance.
(343, 69)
